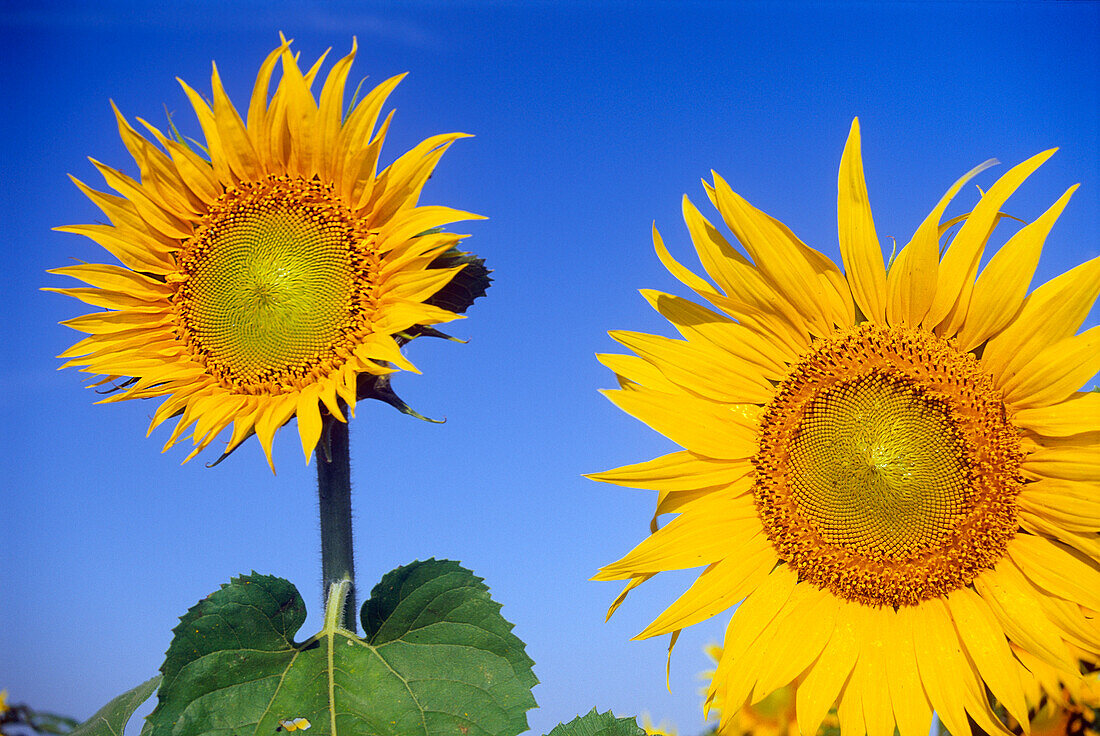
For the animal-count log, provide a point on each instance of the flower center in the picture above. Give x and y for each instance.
(273, 282)
(887, 472)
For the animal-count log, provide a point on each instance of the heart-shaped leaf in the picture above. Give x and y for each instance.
(598, 724)
(437, 659)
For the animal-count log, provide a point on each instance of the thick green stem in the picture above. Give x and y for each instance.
(334, 495)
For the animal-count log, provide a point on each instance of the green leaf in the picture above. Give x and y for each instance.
(598, 724)
(437, 658)
(112, 718)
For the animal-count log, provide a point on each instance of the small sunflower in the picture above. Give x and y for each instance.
(275, 271)
(664, 728)
(891, 470)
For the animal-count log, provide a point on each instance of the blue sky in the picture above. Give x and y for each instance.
(591, 121)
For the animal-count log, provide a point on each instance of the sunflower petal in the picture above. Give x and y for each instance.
(698, 368)
(1051, 313)
(859, 246)
(986, 644)
(1078, 414)
(678, 545)
(1056, 373)
(679, 471)
(721, 586)
(779, 260)
(1057, 569)
(911, 282)
(999, 291)
(694, 424)
(825, 678)
(959, 265)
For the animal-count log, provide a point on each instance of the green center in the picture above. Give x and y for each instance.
(876, 467)
(271, 284)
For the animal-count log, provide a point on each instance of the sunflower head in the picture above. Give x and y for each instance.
(274, 271)
(890, 472)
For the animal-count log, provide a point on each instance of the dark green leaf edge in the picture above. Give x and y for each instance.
(598, 724)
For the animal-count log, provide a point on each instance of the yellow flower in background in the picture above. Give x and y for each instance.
(663, 729)
(1061, 706)
(263, 276)
(892, 471)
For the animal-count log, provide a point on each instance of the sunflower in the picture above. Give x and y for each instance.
(892, 471)
(271, 272)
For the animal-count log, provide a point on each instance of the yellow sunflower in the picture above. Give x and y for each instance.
(264, 275)
(664, 728)
(892, 471)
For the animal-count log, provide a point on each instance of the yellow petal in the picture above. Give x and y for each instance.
(777, 258)
(1068, 463)
(1007, 593)
(986, 644)
(695, 538)
(209, 125)
(912, 711)
(751, 621)
(1073, 505)
(821, 686)
(634, 583)
(999, 291)
(400, 183)
(679, 471)
(116, 278)
(695, 322)
(416, 286)
(849, 709)
(236, 142)
(694, 424)
(301, 117)
(701, 369)
(801, 633)
(631, 369)
(1057, 569)
(150, 211)
(911, 282)
(948, 677)
(309, 418)
(357, 134)
(137, 254)
(383, 347)
(959, 264)
(1051, 313)
(870, 672)
(257, 107)
(859, 246)
(102, 323)
(1078, 414)
(1056, 373)
(276, 412)
(684, 274)
(330, 113)
(157, 171)
(722, 585)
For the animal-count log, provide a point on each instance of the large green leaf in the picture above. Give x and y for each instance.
(437, 658)
(111, 718)
(598, 724)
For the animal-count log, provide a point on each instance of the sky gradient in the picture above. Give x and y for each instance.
(591, 120)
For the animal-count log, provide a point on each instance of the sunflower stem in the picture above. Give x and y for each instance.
(334, 496)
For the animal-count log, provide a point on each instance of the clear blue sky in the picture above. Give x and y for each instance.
(591, 121)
